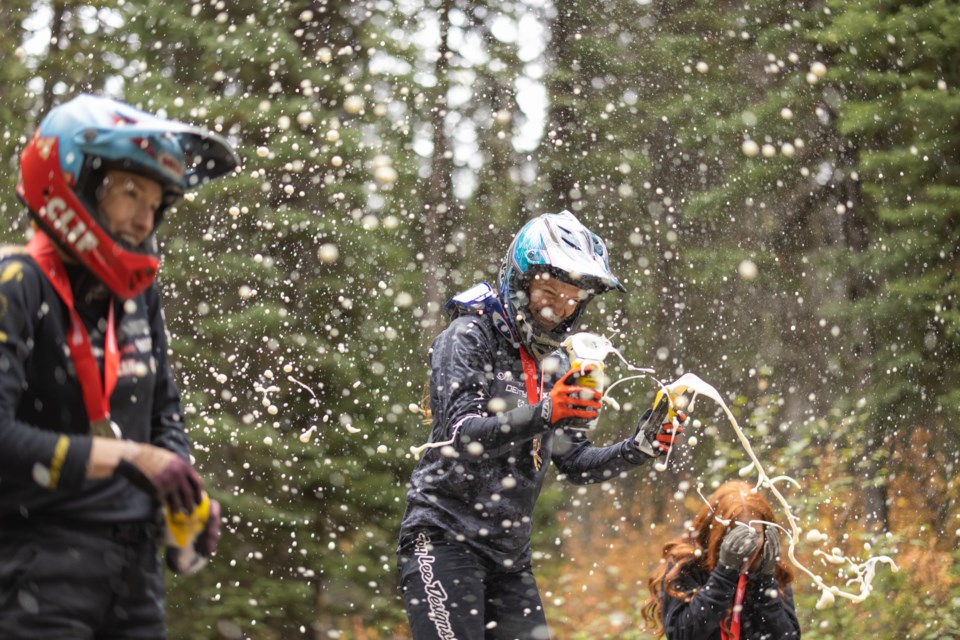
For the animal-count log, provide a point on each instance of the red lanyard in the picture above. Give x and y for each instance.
(96, 394)
(737, 610)
(534, 391)
(530, 374)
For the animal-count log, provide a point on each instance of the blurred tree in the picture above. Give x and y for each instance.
(472, 178)
(286, 293)
(777, 186)
(439, 205)
(894, 93)
(16, 122)
(56, 49)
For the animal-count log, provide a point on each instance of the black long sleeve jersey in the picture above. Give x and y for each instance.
(481, 488)
(766, 615)
(44, 441)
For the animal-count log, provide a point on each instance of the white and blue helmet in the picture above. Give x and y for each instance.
(558, 244)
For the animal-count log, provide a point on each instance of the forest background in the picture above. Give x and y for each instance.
(779, 187)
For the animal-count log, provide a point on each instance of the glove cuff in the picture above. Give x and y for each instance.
(131, 472)
(638, 450)
(546, 409)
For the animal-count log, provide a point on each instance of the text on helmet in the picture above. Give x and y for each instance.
(72, 230)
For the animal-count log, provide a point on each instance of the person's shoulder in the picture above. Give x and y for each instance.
(690, 575)
(468, 329)
(149, 302)
(468, 323)
(16, 265)
(151, 295)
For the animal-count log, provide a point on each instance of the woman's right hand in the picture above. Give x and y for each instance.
(738, 546)
(156, 471)
(571, 404)
(771, 551)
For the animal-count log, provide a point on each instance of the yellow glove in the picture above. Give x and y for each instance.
(659, 427)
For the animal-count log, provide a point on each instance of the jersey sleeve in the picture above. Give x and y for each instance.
(462, 370)
(30, 453)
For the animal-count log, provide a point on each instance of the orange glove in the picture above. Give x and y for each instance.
(570, 404)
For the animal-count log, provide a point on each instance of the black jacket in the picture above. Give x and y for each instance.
(44, 441)
(485, 484)
(766, 615)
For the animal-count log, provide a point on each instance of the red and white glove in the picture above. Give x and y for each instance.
(666, 437)
(657, 432)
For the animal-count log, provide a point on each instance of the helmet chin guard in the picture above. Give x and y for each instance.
(62, 216)
(65, 160)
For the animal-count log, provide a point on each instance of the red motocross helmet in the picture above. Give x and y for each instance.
(65, 162)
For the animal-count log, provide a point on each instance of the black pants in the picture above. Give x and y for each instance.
(451, 592)
(81, 583)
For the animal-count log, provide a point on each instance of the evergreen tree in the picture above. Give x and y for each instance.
(286, 290)
(55, 50)
(895, 96)
(777, 186)
(471, 180)
(15, 120)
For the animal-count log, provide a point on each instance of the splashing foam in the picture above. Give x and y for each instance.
(863, 572)
(593, 348)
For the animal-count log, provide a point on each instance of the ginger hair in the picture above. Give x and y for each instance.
(699, 546)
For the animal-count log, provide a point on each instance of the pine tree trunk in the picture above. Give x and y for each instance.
(436, 217)
(856, 238)
(561, 119)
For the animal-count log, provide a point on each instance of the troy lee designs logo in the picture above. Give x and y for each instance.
(436, 595)
(73, 230)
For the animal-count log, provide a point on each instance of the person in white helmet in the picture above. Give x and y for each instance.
(504, 404)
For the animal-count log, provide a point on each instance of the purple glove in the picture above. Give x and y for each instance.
(165, 476)
(206, 542)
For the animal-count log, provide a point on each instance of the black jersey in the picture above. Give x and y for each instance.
(44, 441)
(482, 486)
(766, 615)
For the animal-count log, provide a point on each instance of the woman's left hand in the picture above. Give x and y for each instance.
(771, 551)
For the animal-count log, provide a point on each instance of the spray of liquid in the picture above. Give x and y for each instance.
(586, 348)
(863, 572)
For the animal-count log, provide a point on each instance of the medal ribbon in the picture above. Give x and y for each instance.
(530, 374)
(534, 392)
(737, 610)
(96, 392)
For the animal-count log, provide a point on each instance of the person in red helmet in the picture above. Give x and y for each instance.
(92, 441)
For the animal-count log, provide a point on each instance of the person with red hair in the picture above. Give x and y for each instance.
(723, 579)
